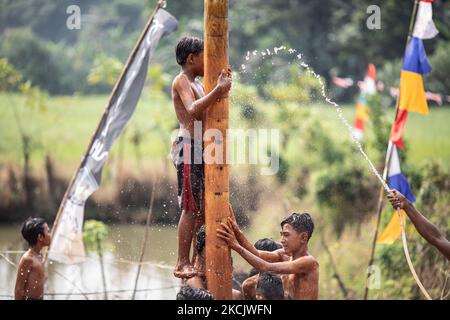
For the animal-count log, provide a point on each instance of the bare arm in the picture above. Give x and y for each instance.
(300, 265)
(23, 272)
(426, 229)
(240, 237)
(196, 107)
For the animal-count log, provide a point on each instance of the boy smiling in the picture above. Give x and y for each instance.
(298, 269)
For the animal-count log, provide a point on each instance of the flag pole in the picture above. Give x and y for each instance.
(388, 161)
(160, 4)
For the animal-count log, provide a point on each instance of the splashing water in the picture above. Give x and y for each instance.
(361, 150)
(340, 114)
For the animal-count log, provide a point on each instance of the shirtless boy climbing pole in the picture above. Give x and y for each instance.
(190, 102)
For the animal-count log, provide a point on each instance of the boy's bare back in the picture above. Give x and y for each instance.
(30, 277)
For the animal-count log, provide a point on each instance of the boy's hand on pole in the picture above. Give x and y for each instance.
(225, 81)
(233, 225)
(226, 234)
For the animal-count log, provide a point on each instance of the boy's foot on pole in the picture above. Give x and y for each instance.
(185, 270)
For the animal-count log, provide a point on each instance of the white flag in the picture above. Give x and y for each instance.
(67, 244)
(424, 27)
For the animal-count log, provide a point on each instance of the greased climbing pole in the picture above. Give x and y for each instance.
(218, 258)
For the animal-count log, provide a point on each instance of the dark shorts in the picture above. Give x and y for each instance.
(187, 157)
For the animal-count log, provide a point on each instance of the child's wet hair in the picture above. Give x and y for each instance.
(301, 222)
(189, 293)
(200, 239)
(32, 228)
(186, 46)
(267, 244)
(270, 286)
(264, 244)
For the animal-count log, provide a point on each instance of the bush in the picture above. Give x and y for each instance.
(438, 80)
(32, 57)
(300, 87)
(349, 194)
(9, 76)
(94, 231)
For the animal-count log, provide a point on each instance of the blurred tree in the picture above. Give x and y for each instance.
(94, 234)
(106, 70)
(332, 34)
(9, 76)
(438, 80)
(93, 231)
(348, 194)
(381, 128)
(32, 57)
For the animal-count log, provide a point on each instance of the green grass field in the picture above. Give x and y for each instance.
(65, 128)
(428, 136)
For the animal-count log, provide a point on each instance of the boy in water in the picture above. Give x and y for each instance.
(31, 271)
(190, 102)
(298, 269)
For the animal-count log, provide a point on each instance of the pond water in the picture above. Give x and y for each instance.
(120, 256)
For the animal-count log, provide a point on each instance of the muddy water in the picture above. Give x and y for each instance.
(121, 252)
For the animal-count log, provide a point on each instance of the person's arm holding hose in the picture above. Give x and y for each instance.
(426, 229)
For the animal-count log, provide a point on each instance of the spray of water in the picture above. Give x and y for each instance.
(355, 141)
(339, 112)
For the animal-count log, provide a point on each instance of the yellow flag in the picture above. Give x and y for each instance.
(361, 112)
(393, 230)
(412, 93)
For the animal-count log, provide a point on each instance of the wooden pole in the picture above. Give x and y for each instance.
(218, 257)
(388, 160)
